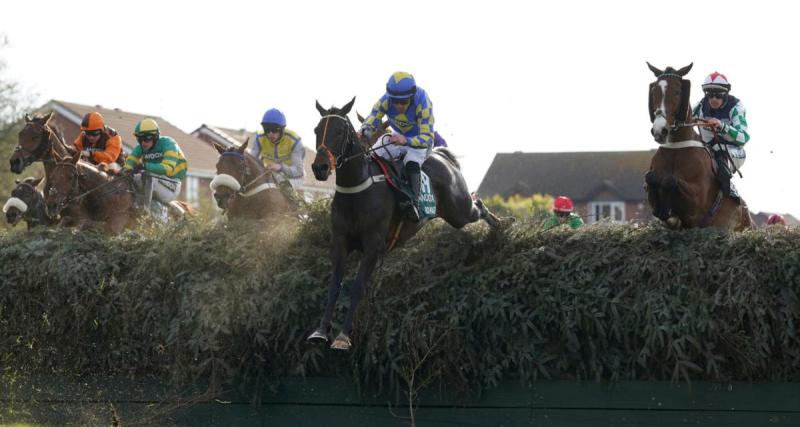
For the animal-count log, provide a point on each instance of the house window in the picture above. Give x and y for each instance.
(601, 210)
(192, 186)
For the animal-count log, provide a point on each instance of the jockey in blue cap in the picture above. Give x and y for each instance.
(410, 114)
(280, 149)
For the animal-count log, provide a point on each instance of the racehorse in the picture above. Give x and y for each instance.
(681, 186)
(244, 188)
(27, 203)
(364, 213)
(39, 142)
(96, 196)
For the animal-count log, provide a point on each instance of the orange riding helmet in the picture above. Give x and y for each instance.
(92, 121)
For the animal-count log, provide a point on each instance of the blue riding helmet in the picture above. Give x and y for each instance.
(401, 85)
(274, 116)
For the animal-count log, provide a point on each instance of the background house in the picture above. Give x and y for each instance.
(602, 184)
(201, 158)
(308, 185)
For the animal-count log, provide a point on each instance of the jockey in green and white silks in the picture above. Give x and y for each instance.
(162, 158)
(280, 149)
(410, 114)
(729, 134)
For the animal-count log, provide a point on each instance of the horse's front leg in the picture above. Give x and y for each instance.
(365, 269)
(338, 256)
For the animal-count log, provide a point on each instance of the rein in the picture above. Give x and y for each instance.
(76, 179)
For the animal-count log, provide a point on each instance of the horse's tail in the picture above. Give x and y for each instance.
(447, 154)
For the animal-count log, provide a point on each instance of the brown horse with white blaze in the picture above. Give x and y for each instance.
(681, 186)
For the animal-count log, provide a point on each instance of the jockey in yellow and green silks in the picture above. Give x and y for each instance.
(410, 114)
(161, 157)
(280, 149)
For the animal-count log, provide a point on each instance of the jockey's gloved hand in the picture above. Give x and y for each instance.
(134, 170)
(86, 153)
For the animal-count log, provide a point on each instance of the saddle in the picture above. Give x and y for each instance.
(397, 181)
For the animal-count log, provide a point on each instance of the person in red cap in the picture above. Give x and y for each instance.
(776, 219)
(562, 214)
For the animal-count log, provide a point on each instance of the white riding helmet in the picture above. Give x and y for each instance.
(716, 82)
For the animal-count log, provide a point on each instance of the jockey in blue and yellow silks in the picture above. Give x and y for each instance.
(280, 149)
(410, 114)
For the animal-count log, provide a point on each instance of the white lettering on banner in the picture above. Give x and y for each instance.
(426, 183)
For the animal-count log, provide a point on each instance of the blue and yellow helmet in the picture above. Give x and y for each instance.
(401, 85)
(273, 116)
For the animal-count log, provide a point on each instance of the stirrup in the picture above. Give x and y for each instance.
(412, 214)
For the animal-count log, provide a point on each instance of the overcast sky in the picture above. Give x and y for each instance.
(503, 76)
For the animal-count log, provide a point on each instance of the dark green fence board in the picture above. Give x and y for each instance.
(333, 401)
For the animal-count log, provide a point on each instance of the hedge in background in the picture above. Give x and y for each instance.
(235, 302)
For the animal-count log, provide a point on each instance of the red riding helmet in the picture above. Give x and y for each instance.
(776, 219)
(562, 204)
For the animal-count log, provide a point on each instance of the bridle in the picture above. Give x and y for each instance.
(43, 146)
(337, 161)
(75, 186)
(681, 113)
(244, 171)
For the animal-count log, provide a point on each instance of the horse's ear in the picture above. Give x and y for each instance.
(76, 157)
(683, 71)
(655, 70)
(244, 146)
(385, 125)
(28, 118)
(219, 148)
(322, 111)
(35, 182)
(46, 118)
(360, 118)
(348, 106)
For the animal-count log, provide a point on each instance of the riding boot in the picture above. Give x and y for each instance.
(724, 177)
(412, 173)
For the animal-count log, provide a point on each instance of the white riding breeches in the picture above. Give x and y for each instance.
(390, 151)
(737, 153)
(165, 189)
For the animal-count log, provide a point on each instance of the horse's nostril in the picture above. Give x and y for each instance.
(664, 132)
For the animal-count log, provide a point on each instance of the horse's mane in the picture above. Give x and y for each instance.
(447, 154)
(54, 129)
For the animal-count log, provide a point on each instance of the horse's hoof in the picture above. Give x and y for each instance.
(342, 342)
(318, 336)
